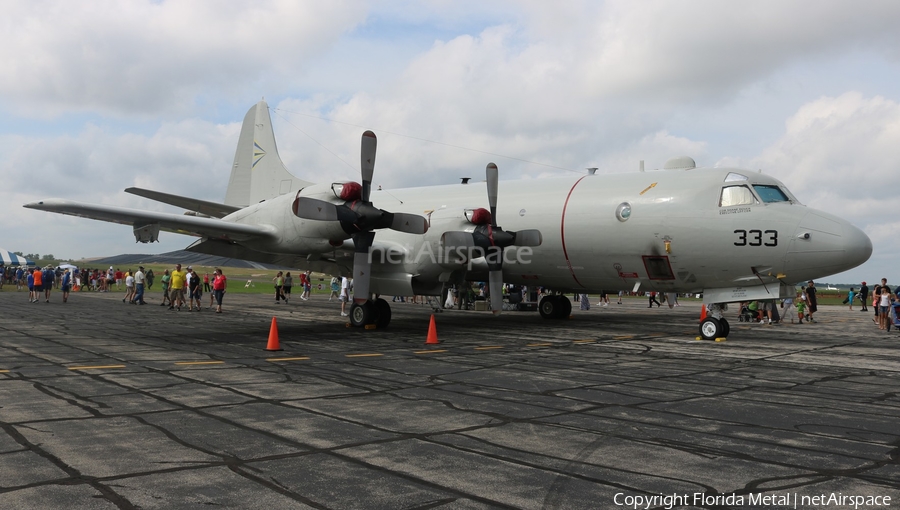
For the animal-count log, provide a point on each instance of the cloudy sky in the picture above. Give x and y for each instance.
(102, 95)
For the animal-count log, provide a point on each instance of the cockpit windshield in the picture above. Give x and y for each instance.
(769, 193)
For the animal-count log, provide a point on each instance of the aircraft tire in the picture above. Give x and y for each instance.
(566, 309)
(710, 328)
(550, 307)
(383, 313)
(726, 328)
(362, 314)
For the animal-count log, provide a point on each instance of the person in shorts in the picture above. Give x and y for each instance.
(176, 288)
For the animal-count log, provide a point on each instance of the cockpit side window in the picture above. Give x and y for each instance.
(736, 195)
(770, 194)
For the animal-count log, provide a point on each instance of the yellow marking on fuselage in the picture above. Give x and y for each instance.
(648, 188)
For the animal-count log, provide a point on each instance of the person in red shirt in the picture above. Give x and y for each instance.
(219, 285)
(119, 277)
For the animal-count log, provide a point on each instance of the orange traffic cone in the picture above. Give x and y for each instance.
(432, 332)
(273, 337)
(702, 313)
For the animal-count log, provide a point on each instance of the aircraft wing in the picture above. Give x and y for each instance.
(190, 225)
(213, 209)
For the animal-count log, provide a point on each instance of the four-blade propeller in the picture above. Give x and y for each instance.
(359, 218)
(490, 239)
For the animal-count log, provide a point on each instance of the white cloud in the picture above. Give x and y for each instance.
(838, 151)
(144, 56)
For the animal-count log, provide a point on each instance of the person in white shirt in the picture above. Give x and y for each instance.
(345, 294)
(139, 280)
(129, 287)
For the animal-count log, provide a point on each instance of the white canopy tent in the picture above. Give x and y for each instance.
(11, 259)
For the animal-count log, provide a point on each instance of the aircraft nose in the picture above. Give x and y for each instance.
(825, 244)
(858, 245)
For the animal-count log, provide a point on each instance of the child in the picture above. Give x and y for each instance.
(801, 309)
(850, 296)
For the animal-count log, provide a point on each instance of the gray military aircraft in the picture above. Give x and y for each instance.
(730, 234)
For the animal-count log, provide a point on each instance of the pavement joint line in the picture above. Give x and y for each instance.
(199, 362)
(488, 347)
(430, 352)
(94, 367)
(368, 355)
(287, 359)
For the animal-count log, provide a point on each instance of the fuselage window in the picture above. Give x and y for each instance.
(736, 195)
(770, 194)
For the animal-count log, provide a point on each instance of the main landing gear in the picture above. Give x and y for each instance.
(555, 307)
(373, 312)
(715, 325)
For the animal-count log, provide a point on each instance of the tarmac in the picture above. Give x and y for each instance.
(108, 405)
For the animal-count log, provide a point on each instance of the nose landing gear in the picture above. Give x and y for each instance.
(715, 326)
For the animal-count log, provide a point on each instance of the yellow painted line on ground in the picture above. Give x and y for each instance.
(488, 347)
(538, 345)
(287, 359)
(430, 352)
(199, 362)
(583, 341)
(96, 367)
(4, 371)
(373, 355)
(624, 337)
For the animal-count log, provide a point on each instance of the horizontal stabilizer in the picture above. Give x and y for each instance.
(213, 209)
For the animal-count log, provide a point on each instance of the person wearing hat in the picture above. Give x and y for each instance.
(139, 280)
(864, 296)
(811, 301)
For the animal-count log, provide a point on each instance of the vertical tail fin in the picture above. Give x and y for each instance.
(258, 173)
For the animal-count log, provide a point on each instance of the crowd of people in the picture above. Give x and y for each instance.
(40, 282)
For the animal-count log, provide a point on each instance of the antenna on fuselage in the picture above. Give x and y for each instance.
(592, 170)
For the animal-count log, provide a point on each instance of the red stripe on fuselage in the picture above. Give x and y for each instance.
(562, 232)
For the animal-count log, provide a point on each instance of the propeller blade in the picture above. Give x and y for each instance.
(529, 237)
(495, 285)
(409, 223)
(492, 177)
(362, 270)
(314, 209)
(367, 164)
